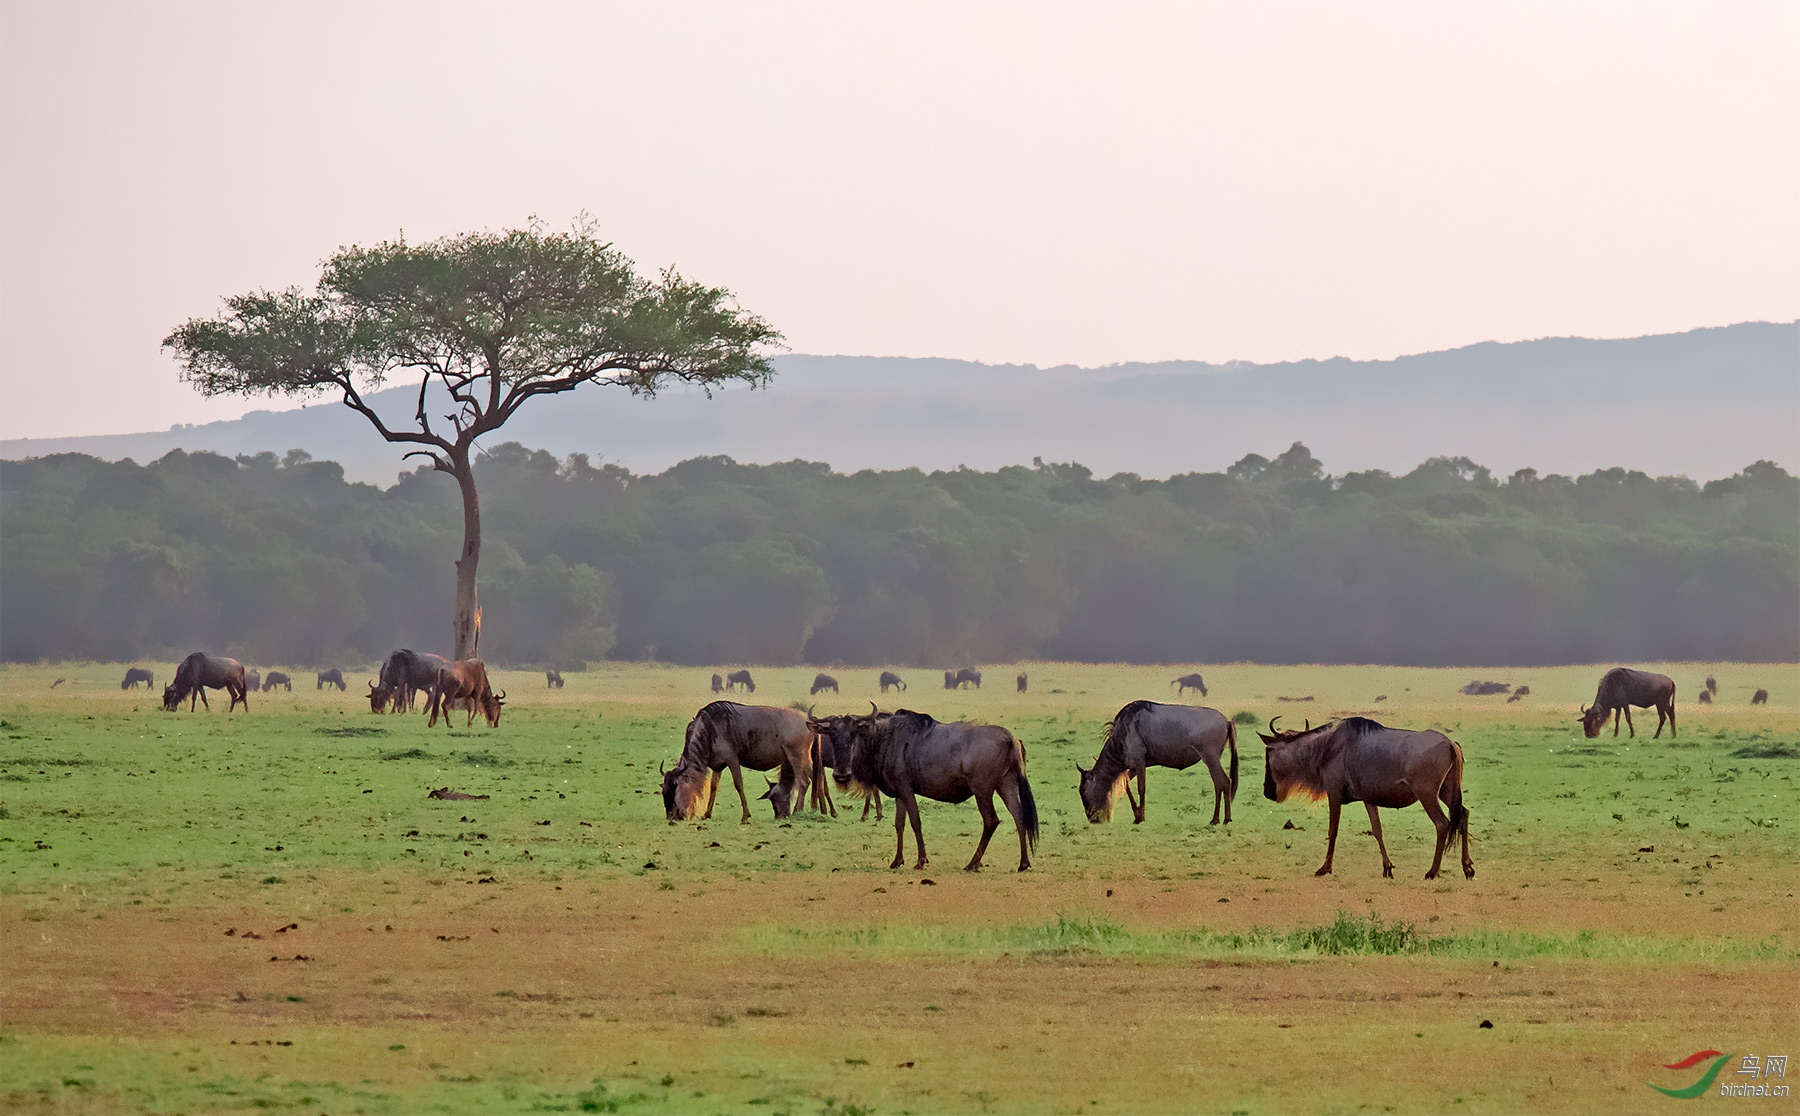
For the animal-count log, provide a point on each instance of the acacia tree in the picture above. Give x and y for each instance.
(495, 320)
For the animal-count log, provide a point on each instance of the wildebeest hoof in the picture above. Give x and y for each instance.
(1469, 872)
(1387, 872)
(897, 862)
(1325, 871)
(1431, 875)
(1024, 867)
(972, 866)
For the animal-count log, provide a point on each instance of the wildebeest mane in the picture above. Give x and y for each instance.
(1313, 748)
(713, 720)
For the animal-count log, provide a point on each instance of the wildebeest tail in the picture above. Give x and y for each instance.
(1459, 813)
(1231, 742)
(1027, 801)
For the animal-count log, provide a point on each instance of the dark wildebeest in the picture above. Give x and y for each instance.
(1189, 682)
(1621, 688)
(909, 754)
(404, 676)
(1023, 682)
(823, 682)
(552, 678)
(1519, 694)
(889, 678)
(1760, 697)
(781, 794)
(724, 734)
(332, 677)
(965, 676)
(275, 678)
(1704, 697)
(1483, 689)
(252, 681)
(200, 672)
(134, 675)
(949, 680)
(1359, 760)
(466, 683)
(1712, 685)
(1148, 734)
(740, 678)
(718, 683)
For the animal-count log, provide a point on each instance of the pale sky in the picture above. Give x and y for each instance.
(1045, 183)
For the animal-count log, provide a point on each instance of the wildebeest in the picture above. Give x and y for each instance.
(823, 682)
(909, 754)
(1519, 694)
(740, 678)
(464, 682)
(1760, 697)
(200, 672)
(889, 678)
(724, 734)
(1704, 697)
(949, 680)
(1621, 688)
(1712, 685)
(1483, 689)
(1189, 682)
(718, 683)
(956, 680)
(404, 675)
(134, 675)
(332, 677)
(1023, 682)
(1359, 760)
(780, 794)
(553, 678)
(252, 681)
(275, 678)
(1148, 734)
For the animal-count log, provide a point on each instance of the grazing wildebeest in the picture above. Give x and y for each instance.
(464, 682)
(718, 683)
(332, 677)
(1359, 760)
(404, 675)
(1621, 688)
(1482, 689)
(134, 675)
(1760, 697)
(200, 672)
(724, 734)
(949, 680)
(1189, 682)
(1712, 685)
(823, 682)
(1519, 694)
(553, 678)
(889, 678)
(1148, 734)
(275, 678)
(740, 678)
(1023, 682)
(968, 675)
(909, 754)
(1704, 697)
(252, 681)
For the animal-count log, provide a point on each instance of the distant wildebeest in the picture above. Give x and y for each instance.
(1621, 688)
(1482, 689)
(718, 683)
(1519, 694)
(1147, 734)
(909, 754)
(740, 678)
(332, 677)
(823, 682)
(968, 675)
(134, 675)
(949, 680)
(724, 734)
(466, 683)
(1712, 685)
(1189, 682)
(404, 675)
(1704, 697)
(200, 672)
(57, 683)
(553, 678)
(1023, 682)
(1308, 697)
(1760, 697)
(889, 678)
(252, 680)
(275, 678)
(1359, 760)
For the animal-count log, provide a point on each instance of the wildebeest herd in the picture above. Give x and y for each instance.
(906, 755)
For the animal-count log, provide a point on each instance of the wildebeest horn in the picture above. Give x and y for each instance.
(501, 696)
(874, 709)
(769, 781)
(659, 768)
(1272, 721)
(1308, 727)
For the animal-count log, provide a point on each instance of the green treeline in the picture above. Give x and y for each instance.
(712, 562)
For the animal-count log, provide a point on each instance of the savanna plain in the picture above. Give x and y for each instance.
(263, 910)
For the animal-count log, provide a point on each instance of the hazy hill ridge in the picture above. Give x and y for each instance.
(1700, 403)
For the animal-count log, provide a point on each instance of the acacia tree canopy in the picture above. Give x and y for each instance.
(494, 319)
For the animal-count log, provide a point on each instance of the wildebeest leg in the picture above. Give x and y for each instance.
(1387, 866)
(899, 832)
(912, 807)
(1616, 714)
(737, 780)
(1143, 798)
(712, 794)
(1221, 784)
(1009, 794)
(1661, 712)
(1444, 831)
(990, 821)
(1331, 839)
(1631, 728)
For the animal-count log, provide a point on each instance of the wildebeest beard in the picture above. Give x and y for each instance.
(1301, 753)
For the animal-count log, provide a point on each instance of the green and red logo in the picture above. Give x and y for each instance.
(1689, 1062)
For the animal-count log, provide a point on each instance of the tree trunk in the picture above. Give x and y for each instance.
(468, 606)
